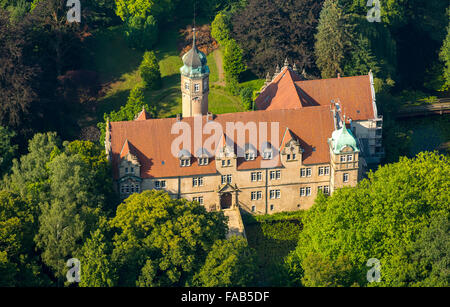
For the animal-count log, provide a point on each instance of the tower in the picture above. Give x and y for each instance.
(194, 82)
(344, 154)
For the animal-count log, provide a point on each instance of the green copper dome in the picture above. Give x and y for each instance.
(342, 138)
(194, 63)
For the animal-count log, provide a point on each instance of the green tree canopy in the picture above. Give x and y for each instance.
(7, 150)
(230, 263)
(333, 39)
(149, 71)
(381, 218)
(160, 241)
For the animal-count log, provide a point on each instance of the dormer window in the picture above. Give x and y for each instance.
(184, 162)
(250, 152)
(185, 158)
(250, 156)
(203, 161)
(267, 155)
(267, 151)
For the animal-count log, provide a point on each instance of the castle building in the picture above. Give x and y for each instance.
(313, 136)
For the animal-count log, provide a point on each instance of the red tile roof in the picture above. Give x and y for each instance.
(151, 139)
(287, 91)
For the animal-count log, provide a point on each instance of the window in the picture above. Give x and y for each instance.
(203, 161)
(343, 159)
(305, 191)
(324, 170)
(253, 208)
(305, 172)
(275, 175)
(291, 157)
(197, 181)
(226, 179)
(325, 189)
(249, 156)
(126, 170)
(275, 194)
(185, 162)
(228, 162)
(256, 195)
(267, 155)
(349, 158)
(345, 177)
(197, 87)
(271, 207)
(186, 85)
(223, 163)
(256, 176)
(160, 184)
(288, 157)
(198, 199)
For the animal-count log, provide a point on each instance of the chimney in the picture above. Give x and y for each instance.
(178, 117)
(339, 75)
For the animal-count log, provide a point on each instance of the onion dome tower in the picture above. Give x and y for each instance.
(194, 82)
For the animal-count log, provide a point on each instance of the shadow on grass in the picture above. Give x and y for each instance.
(112, 103)
(107, 52)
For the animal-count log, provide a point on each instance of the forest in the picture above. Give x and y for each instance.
(60, 81)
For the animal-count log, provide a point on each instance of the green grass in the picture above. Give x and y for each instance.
(117, 64)
(255, 85)
(273, 237)
(214, 73)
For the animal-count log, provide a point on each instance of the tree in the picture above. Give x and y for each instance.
(233, 65)
(30, 175)
(333, 39)
(230, 263)
(72, 213)
(381, 218)
(431, 254)
(247, 98)
(268, 31)
(361, 59)
(141, 32)
(7, 150)
(149, 71)
(319, 272)
(445, 58)
(18, 262)
(16, 90)
(95, 258)
(221, 28)
(161, 241)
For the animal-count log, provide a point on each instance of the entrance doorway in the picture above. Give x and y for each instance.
(225, 201)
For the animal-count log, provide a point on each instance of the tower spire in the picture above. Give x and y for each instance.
(193, 44)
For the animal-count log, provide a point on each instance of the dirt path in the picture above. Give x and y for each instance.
(220, 71)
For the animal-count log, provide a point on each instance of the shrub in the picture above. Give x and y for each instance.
(246, 97)
(149, 71)
(141, 32)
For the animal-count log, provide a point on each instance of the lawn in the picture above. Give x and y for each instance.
(117, 65)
